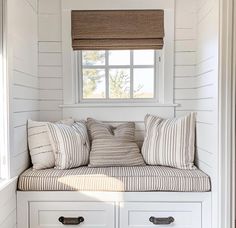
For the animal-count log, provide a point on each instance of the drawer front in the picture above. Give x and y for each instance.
(136, 215)
(90, 214)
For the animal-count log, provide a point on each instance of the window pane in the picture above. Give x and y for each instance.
(144, 57)
(119, 58)
(93, 58)
(94, 83)
(143, 83)
(119, 83)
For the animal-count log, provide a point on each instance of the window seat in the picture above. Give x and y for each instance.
(119, 179)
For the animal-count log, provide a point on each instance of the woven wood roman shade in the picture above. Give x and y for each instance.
(117, 29)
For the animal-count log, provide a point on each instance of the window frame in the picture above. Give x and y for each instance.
(158, 77)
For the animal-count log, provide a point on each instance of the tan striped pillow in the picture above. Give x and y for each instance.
(70, 144)
(40, 148)
(170, 142)
(113, 146)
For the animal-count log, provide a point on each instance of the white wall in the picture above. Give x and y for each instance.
(23, 75)
(207, 93)
(197, 76)
(197, 90)
(195, 86)
(22, 60)
(50, 59)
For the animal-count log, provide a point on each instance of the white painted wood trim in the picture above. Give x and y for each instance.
(6, 87)
(226, 117)
(122, 4)
(87, 105)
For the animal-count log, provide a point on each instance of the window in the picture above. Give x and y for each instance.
(122, 75)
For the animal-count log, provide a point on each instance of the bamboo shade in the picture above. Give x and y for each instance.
(117, 29)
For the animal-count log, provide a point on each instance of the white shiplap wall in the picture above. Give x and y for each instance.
(194, 88)
(22, 59)
(23, 73)
(50, 59)
(207, 83)
(197, 76)
(50, 55)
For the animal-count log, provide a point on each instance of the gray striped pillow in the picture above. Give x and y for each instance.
(70, 144)
(40, 148)
(170, 142)
(113, 146)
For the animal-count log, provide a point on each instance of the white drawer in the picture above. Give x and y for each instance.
(136, 215)
(95, 214)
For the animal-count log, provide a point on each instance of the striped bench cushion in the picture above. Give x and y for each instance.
(122, 179)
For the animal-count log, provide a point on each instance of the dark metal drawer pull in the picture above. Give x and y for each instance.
(71, 221)
(161, 221)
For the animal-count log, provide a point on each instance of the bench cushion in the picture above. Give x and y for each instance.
(128, 179)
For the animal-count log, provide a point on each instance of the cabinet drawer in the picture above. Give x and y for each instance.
(94, 214)
(136, 215)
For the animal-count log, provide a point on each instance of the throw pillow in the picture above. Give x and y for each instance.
(113, 146)
(170, 142)
(40, 148)
(70, 144)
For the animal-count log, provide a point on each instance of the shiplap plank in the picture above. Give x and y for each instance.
(20, 140)
(50, 71)
(185, 71)
(206, 79)
(23, 79)
(49, 27)
(25, 92)
(25, 105)
(185, 34)
(50, 105)
(50, 59)
(206, 136)
(54, 47)
(202, 116)
(50, 83)
(186, 6)
(117, 113)
(26, 66)
(185, 94)
(51, 94)
(184, 83)
(207, 65)
(20, 119)
(185, 45)
(50, 115)
(21, 162)
(185, 19)
(185, 58)
(195, 105)
(49, 7)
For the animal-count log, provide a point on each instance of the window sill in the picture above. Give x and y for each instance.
(114, 105)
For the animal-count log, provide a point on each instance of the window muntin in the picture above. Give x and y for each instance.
(127, 75)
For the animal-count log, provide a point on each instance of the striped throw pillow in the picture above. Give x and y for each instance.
(41, 152)
(70, 144)
(170, 142)
(113, 146)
